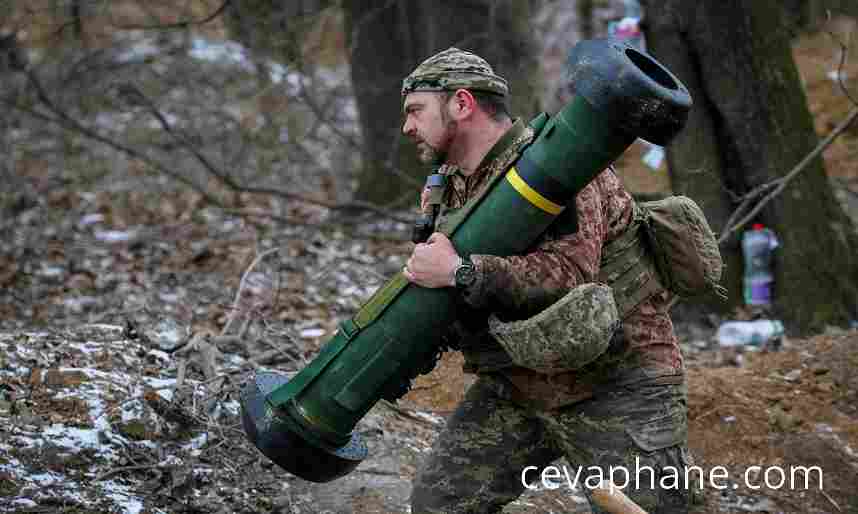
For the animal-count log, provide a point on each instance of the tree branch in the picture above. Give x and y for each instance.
(747, 200)
(784, 181)
(844, 51)
(241, 285)
(135, 93)
(320, 115)
(180, 24)
(65, 120)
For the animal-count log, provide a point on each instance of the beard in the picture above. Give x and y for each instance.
(427, 154)
(437, 154)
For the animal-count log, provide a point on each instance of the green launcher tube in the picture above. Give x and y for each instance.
(306, 424)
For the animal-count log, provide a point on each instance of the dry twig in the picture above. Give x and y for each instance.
(782, 182)
(114, 471)
(183, 24)
(241, 285)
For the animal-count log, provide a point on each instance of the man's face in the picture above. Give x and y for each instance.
(428, 124)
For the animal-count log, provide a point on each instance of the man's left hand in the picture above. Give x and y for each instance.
(433, 263)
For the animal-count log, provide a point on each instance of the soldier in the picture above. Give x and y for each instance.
(625, 407)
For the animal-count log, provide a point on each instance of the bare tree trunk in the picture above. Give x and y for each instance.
(390, 38)
(273, 28)
(585, 18)
(749, 126)
(77, 19)
(380, 36)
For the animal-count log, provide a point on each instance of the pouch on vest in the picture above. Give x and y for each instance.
(569, 334)
(683, 246)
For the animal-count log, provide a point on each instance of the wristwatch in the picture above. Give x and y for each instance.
(465, 274)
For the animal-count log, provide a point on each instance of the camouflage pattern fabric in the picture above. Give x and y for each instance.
(627, 403)
(569, 334)
(454, 69)
(567, 255)
(476, 463)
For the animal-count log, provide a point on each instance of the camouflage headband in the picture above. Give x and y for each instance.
(453, 69)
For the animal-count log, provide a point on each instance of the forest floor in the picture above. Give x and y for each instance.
(122, 348)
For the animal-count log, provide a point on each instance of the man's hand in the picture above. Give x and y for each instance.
(433, 263)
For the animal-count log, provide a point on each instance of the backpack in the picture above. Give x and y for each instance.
(683, 246)
(668, 246)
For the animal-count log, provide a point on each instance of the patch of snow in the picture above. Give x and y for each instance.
(219, 52)
(169, 297)
(167, 334)
(79, 303)
(48, 478)
(51, 271)
(431, 418)
(113, 121)
(123, 496)
(72, 438)
(233, 407)
(310, 333)
(139, 51)
(230, 52)
(837, 75)
(87, 348)
(161, 384)
(171, 120)
(199, 441)
(158, 354)
(114, 236)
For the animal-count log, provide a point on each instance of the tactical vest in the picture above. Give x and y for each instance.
(667, 246)
(626, 267)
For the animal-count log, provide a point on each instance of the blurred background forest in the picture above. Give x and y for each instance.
(236, 169)
(150, 143)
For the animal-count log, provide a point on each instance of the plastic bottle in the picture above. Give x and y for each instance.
(749, 333)
(757, 247)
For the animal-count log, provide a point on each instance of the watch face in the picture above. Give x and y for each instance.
(466, 274)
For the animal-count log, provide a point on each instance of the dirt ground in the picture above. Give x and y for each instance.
(790, 408)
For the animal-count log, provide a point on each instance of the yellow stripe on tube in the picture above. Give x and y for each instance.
(531, 194)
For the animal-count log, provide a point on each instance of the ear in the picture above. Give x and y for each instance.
(462, 104)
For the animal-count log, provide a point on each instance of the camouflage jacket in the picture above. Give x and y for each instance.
(566, 255)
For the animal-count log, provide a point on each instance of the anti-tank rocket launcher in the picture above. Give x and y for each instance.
(306, 424)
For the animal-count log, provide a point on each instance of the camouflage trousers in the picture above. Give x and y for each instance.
(477, 462)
